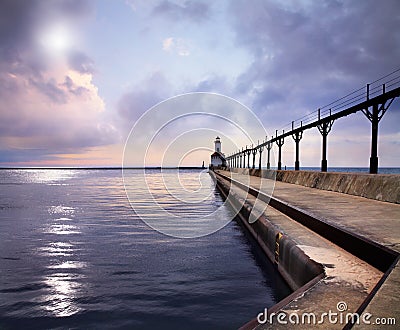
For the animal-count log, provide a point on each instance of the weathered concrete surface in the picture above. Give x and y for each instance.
(382, 187)
(348, 279)
(385, 304)
(375, 220)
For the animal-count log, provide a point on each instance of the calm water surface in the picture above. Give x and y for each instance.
(73, 254)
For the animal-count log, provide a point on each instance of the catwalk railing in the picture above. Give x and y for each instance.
(373, 100)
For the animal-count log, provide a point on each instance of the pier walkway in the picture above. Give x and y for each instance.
(375, 221)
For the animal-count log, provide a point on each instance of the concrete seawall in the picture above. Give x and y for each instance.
(292, 263)
(382, 187)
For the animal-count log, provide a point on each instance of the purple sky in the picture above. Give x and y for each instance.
(75, 75)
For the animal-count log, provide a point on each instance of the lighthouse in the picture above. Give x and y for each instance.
(217, 158)
(217, 143)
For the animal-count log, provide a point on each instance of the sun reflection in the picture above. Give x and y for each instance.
(69, 265)
(64, 214)
(64, 276)
(57, 249)
(63, 229)
(49, 176)
(60, 209)
(64, 288)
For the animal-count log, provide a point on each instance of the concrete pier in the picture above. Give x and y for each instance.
(354, 241)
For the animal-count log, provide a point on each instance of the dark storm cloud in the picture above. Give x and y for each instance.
(308, 53)
(190, 10)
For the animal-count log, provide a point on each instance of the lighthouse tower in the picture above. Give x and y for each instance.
(217, 143)
(218, 158)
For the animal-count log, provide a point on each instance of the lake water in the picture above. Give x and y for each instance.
(73, 254)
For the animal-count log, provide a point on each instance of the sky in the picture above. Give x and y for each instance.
(76, 76)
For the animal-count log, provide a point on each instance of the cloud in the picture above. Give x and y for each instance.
(305, 53)
(282, 59)
(213, 83)
(21, 20)
(138, 6)
(143, 96)
(168, 44)
(302, 55)
(49, 103)
(80, 62)
(190, 121)
(193, 11)
(177, 45)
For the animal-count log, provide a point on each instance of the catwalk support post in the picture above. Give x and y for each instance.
(280, 141)
(268, 146)
(375, 116)
(324, 128)
(297, 137)
(260, 150)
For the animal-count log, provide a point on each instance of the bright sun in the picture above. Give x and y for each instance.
(56, 39)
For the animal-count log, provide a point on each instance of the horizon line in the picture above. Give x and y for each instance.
(151, 167)
(97, 167)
